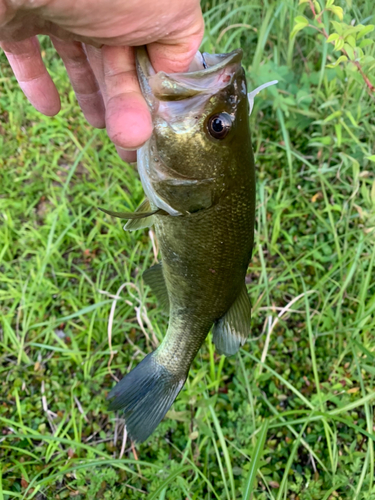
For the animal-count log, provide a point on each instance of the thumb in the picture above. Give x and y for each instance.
(174, 54)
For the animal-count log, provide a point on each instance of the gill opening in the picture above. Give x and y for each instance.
(205, 66)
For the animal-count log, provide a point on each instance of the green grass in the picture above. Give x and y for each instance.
(291, 416)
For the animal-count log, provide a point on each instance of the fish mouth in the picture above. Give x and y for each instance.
(207, 74)
(178, 103)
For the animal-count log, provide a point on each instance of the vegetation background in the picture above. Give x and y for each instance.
(291, 416)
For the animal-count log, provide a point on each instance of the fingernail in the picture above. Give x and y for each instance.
(125, 149)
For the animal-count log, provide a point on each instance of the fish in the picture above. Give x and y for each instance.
(197, 171)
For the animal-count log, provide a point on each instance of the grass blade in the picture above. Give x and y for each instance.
(255, 461)
(170, 478)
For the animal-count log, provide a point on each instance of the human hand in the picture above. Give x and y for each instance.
(95, 42)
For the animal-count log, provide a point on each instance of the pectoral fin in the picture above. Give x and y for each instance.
(130, 215)
(154, 278)
(230, 331)
(146, 221)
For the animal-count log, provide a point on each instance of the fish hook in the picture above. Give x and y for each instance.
(251, 95)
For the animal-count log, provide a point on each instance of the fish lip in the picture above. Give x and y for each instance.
(144, 63)
(144, 70)
(178, 86)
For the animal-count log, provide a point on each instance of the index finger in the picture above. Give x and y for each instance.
(128, 118)
(26, 62)
(175, 52)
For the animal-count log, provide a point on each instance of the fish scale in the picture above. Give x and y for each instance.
(211, 263)
(197, 171)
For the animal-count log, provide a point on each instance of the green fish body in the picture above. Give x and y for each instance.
(198, 174)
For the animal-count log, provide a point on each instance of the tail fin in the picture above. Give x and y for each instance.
(145, 395)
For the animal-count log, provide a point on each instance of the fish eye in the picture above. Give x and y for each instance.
(219, 125)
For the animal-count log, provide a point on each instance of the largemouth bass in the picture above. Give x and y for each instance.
(197, 171)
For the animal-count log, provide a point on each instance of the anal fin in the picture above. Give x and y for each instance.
(154, 278)
(231, 331)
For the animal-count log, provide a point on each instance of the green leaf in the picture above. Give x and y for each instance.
(366, 43)
(351, 41)
(350, 30)
(349, 51)
(365, 31)
(351, 118)
(332, 116)
(338, 27)
(335, 9)
(339, 60)
(298, 27)
(359, 52)
(301, 19)
(339, 44)
(329, 3)
(255, 461)
(338, 130)
(371, 158)
(317, 6)
(367, 60)
(333, 37)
